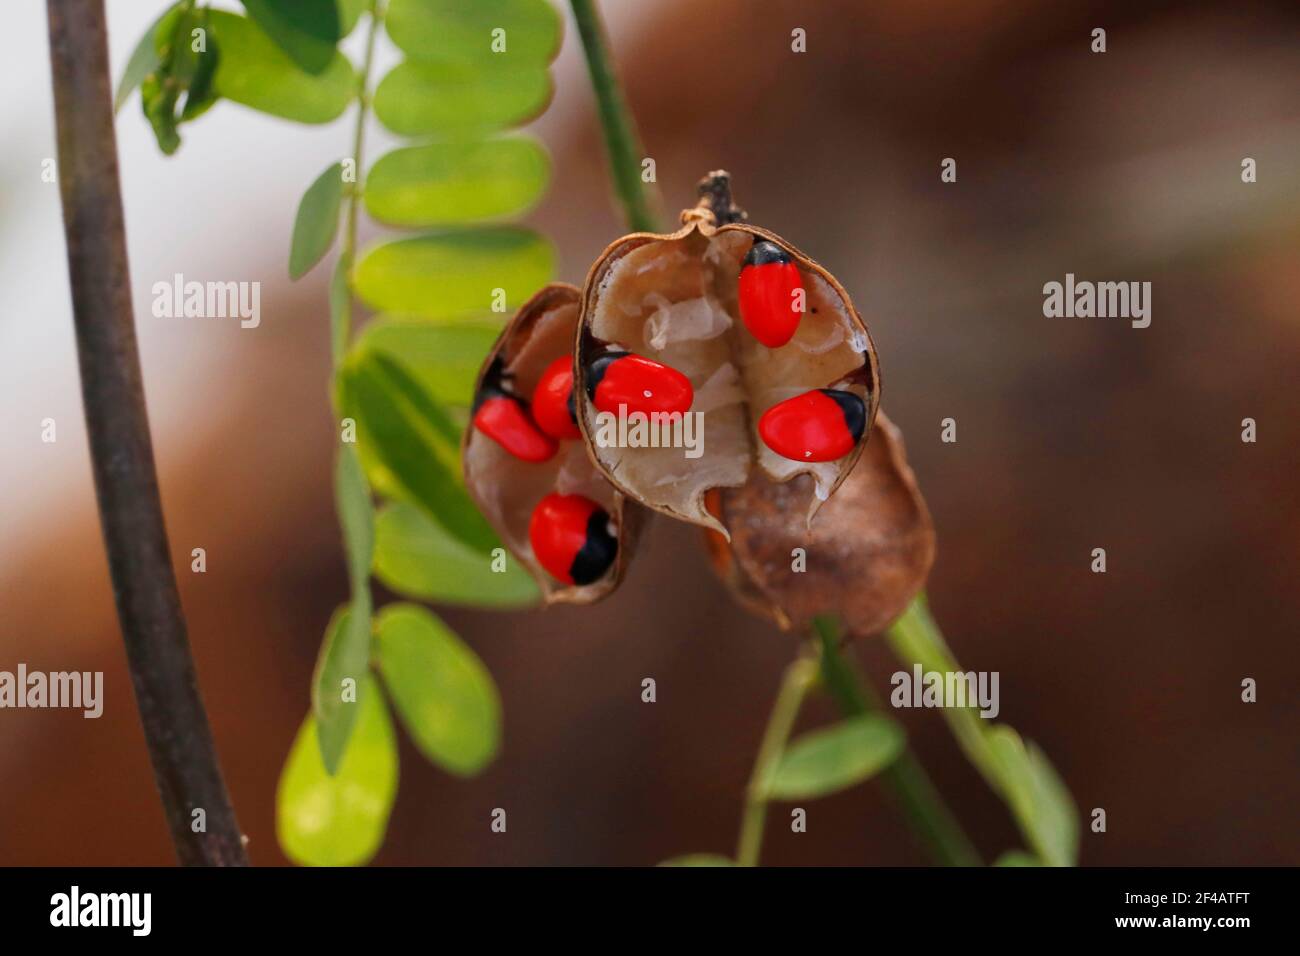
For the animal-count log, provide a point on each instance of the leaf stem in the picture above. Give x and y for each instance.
(621, 141)
(798, 678)
(922, 803)
(158, 655)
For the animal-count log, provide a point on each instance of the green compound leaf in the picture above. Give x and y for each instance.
(442, 692)
(515, 32)
(699, 859)
(417, 445)
(455, 274)
(417, 558)
(317, 222)
(835, 758)
(444, 358)
(306, 30)
(257, 73)
(460, 100)
(454, 183)
(339, 820)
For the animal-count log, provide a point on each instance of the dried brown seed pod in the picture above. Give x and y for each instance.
(508, 480)
(675, 299)
(867, 555)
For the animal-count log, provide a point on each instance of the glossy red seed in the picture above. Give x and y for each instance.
(571, 539)
(638, 384)
(553, 400)
(768, 306)
(821, 425)
(505, 420)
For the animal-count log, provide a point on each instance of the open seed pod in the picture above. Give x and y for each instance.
(778, 366)
(865, 558)
(527, 468)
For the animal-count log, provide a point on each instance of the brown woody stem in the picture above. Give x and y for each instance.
(714, 191)
(135, 538)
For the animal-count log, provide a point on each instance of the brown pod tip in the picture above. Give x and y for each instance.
(865, 558)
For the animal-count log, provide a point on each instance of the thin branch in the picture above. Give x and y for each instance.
(799, 676)
(621, 142)
(135, 538)
(924, 806)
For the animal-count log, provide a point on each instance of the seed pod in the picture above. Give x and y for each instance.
(703, 301)
(865, 558)
(529, 500)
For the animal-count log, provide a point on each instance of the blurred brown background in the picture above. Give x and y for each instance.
(1072, 434)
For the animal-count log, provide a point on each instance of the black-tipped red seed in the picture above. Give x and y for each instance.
(505, 419)
(552, 404)
(571, 538)
(623, 382)
(769, 281)
(820, 425)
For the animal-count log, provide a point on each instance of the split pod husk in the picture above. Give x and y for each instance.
(699, 302)
(555, 512)
(863, 560)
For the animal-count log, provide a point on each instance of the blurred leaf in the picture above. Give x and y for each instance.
(462, 30)
(317, 222)
(143, 61)
(699, 859)
(444, 358)
(459, 100)
(417, 558)
(453, 274)
(255, 72)
(340, 299)
(202, 93)
(453, 183)
(349, 13)
(1017, 858)
(1038, 799)
(344, 654)
(442, 692)
(356, 515)
(339, 820)
(417, 444)
(179, 70)
(834, 758)
(306, 30)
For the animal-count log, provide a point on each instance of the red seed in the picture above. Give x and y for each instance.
(505, 420)
(821, 425)
(768, 282)
(637, 383)
(571, 538)
(553, 400)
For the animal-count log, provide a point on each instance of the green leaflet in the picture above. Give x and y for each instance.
(500, 32)
(401, 429)
(444, 358)
(344, 657)
(455, 274)
(317, 222)
(457, 182)
(339, 820)
(460, 100)
(442, 692)
(307, 31)
(834, 758)
(699, 859)
(414, 556)
(255, 72)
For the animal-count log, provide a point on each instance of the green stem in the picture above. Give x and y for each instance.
(343, 323)
(799, 676)
(621, 142)
(924, 806)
